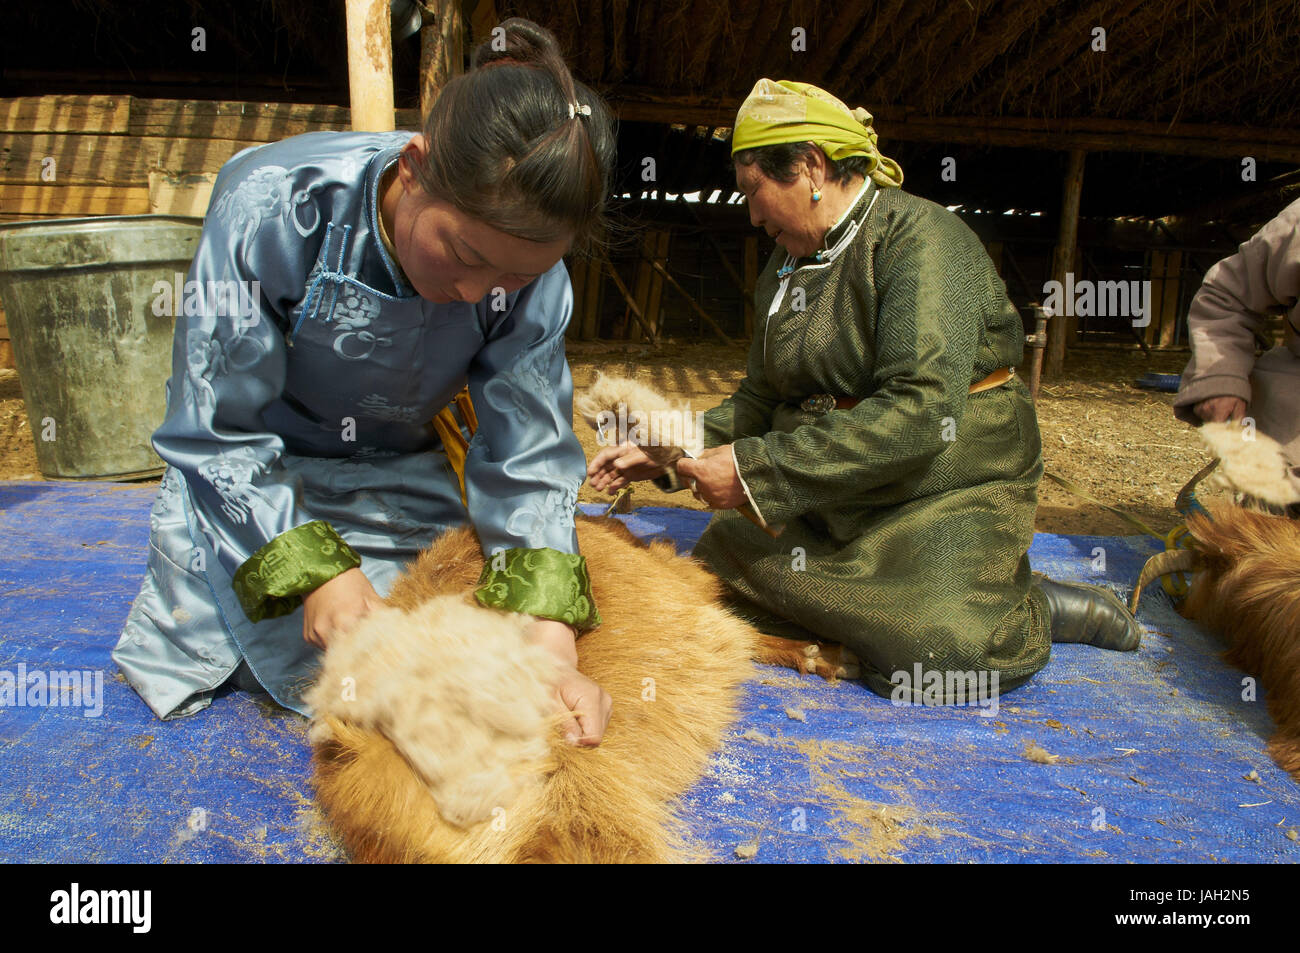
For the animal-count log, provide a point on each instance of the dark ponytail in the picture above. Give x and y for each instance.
(506, 148)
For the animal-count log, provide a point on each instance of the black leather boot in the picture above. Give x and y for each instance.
(1089, 614)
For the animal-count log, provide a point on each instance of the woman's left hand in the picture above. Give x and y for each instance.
(713, 478)
(586, 706)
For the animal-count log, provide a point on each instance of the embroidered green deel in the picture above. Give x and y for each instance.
(540, 582)
(274, 579)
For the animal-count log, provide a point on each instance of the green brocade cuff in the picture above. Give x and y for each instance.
(540, 582)
(273, 580)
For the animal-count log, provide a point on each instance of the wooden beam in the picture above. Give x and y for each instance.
(691, 301)
(259, 122)
(1089, 135)
(108, 160)
(73, 200)
(1067, 243)
(442, 48)
(33, 114)
(644, 274)
(71, 159)
(205, 119)
(191, 156)
(608, 266)
(370, 65)
(661, 240)
(180, 194)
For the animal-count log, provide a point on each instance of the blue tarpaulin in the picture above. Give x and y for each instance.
(1152, 756)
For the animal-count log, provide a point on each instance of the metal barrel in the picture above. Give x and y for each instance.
(82, 300)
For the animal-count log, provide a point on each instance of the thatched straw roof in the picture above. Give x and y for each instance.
(1183, 90)
(1169, 61)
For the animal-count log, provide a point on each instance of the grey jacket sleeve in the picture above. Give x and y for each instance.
(1232, 305)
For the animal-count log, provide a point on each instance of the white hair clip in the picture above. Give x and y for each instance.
(576, 109)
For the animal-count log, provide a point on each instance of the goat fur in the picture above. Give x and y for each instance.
(431, 736)
(607, 393)
(1246, 575)
(447, 753)
(1247, 589)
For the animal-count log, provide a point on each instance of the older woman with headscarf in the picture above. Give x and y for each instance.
(886, 454)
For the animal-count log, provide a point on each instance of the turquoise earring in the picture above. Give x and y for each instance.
(817, 196)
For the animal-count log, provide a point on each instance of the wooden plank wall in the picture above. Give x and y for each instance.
(76, 156)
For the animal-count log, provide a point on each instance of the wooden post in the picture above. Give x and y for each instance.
(661, 239)
(442, 48)
(1066, 245)
(370, 65)
(1173, 286)
(1072, 319)
(644, 274)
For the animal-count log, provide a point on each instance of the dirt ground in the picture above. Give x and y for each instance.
(1114, 440)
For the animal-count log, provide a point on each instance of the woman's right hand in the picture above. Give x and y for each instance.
(336, 606)
(615, 467)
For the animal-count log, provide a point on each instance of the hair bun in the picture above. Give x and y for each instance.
(520, 41)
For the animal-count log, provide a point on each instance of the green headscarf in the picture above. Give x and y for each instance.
(775, 113)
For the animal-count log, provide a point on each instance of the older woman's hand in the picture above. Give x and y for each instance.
(713, 478)
(615, 467)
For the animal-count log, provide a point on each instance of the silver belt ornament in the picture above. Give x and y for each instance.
(818, 404)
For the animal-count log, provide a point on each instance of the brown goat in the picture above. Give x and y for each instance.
(1247, 589)
(1246, 574)
(433, 740)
